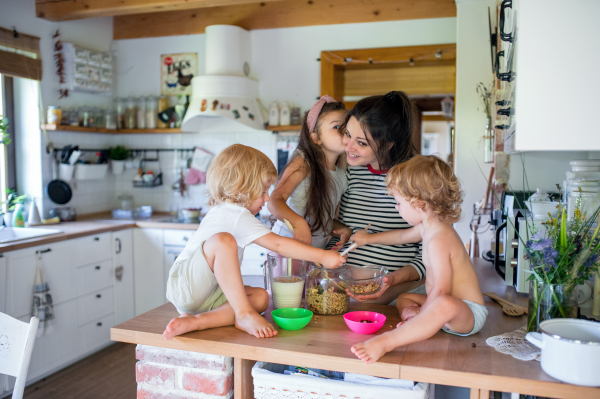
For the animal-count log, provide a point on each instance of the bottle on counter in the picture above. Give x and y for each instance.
(18, 220)
(284, 115)
(274, 114)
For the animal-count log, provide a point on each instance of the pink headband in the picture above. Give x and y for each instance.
(313, 114)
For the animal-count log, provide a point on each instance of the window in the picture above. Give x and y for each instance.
(8, 175)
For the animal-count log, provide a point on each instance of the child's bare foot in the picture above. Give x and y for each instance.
(255, 324)
(181, 325)
(370, 351)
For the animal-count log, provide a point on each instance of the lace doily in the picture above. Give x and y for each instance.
(515, 344)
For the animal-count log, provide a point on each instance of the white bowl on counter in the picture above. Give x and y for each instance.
(570, 350)
(542, 208)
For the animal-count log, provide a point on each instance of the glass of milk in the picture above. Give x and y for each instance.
(285, 280)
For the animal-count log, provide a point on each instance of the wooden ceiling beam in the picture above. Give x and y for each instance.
(277, 14)
(64, 10)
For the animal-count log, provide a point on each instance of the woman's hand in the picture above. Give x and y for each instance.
(387, 282)
(360, 238)
(344, 233)
(302, 233)
(410, 312)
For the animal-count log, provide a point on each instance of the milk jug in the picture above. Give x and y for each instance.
(274, 114)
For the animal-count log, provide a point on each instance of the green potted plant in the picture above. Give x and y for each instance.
(117, 156)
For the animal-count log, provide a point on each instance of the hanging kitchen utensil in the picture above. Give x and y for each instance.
(58, 191)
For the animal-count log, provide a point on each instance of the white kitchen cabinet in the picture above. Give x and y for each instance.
(122, 250)
(2, 290)
(556, 94)
(254, 259)
(148, 269)
(59, 273)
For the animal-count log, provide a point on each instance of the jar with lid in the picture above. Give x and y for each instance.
(141, 113)
(98, 114)
(163, 104)
(130, 113)
(120, 109)
(66, 116)
(151, 112)
(325, 291)
(54, 114)
(84, 116)
(110, 118)
(74, 117)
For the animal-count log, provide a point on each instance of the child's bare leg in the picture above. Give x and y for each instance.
(219, 317)
(409, 299)
(226, 266)
(444, 310)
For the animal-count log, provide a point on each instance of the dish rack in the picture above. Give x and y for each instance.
(156, 179)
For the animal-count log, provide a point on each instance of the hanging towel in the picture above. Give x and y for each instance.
(42, 301)
(200, 163)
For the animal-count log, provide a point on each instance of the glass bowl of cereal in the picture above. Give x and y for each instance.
(364, 280)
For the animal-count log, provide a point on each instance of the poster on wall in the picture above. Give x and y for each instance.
(176, 73)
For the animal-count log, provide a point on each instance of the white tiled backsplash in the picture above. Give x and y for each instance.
(101, 195)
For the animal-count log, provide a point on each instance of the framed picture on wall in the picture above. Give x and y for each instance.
(176, 73)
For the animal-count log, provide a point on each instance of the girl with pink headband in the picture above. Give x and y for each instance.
(312, 184)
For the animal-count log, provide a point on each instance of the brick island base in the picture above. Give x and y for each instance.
(163, 373)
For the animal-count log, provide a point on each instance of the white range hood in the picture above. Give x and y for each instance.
(224, 99)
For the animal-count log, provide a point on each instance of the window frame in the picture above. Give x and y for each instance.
(8, 112)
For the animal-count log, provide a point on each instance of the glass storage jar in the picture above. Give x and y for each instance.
(325, 291)
(110, 118)
(120, 108)
(131, 113)
(141, 113)
(151, 112)
(84, 116)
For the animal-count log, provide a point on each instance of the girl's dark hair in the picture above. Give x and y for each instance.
(318, 203)
(390, 119)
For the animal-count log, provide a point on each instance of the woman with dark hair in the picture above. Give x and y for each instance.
(378, 134)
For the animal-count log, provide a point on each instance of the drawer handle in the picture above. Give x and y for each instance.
(98, 296)
(97, 267)
(99, 324)
(262, 254)
(96, 238)
(118, 240)
(119, 273)
(185, 238)
(43, 251)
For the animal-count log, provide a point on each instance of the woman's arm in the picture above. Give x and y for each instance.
(390, 237)
(277, 205)
(291, 248)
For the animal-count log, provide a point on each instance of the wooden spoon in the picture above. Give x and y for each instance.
(507, 307)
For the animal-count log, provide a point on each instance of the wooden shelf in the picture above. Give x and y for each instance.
(80, 129)
(290, 128)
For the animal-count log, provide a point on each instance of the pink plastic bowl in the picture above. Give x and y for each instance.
(353, 320)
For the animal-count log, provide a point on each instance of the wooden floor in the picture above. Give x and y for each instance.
(108, 374)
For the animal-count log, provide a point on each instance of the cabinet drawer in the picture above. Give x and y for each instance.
(94, 277)
(94, 306)
(92, 248)
(177, 237)
(95, 334)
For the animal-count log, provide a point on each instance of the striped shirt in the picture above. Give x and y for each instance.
(367, 201)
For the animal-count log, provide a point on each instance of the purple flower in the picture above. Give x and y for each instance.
(540, 246)
(550, 255)
(591, 260)
(537, 236)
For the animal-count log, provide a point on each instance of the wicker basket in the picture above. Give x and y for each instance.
(271, 383)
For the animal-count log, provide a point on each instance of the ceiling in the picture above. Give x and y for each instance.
(154, 18)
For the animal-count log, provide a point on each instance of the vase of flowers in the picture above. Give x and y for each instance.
(563, 256)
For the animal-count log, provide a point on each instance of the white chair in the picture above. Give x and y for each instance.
(16, 344)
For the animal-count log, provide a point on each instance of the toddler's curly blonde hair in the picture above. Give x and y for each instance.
(238, 175)
(429, 179)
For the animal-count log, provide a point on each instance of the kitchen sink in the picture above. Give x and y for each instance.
(9, 234)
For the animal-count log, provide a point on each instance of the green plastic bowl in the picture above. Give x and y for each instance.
(292, 318)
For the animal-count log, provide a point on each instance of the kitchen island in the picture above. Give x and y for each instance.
(325, 344)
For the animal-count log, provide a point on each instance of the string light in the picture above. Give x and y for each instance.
(438, 54)
(411, 62)
(370, 60)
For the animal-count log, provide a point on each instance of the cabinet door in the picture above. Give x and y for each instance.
(122, 249)
(149, 283)
(59, 273)
(2, 291)
(54, 350)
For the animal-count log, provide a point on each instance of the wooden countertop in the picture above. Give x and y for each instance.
(95, 223)
(325, 343)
